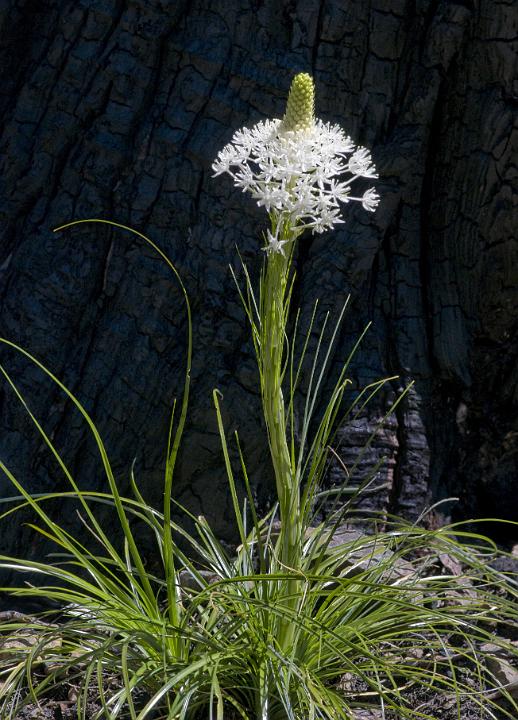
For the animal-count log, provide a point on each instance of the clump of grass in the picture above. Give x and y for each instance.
(296, 624)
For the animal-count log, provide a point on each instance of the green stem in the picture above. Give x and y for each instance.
(274, 304)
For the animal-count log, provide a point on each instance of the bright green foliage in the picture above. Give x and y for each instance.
(300, 108)
(251, 637)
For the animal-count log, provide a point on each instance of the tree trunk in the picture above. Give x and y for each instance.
(117, 109)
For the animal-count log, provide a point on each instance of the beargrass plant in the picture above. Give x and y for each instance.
(306, 619)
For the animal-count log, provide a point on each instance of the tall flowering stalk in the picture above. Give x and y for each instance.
(300, 169)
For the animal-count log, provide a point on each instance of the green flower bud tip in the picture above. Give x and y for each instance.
(300, 108)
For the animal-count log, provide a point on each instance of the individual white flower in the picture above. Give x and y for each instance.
(361, 164)
(273, 244)
(226, 158)
(294, 167)
(370, 199)
(244, 178)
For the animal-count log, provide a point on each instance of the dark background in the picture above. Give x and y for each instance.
(117, 110)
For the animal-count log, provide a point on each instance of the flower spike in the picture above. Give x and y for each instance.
(300, 108)
(295, 167)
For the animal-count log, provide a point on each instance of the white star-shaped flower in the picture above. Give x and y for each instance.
(273, 244)
(361, 164)
(370, 199)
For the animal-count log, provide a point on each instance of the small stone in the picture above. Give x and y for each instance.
(498, 664)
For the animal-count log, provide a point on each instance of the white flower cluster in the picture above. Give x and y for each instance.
(294, 175)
